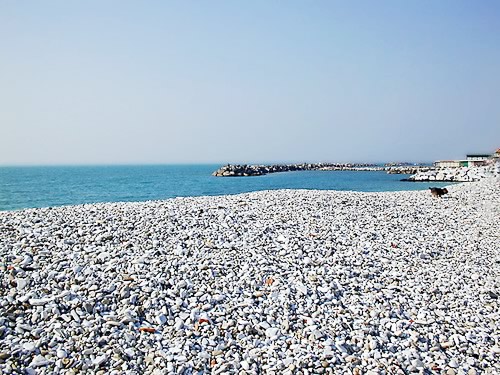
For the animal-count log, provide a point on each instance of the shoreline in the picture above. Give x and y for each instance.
(441, 183)
(278, 280)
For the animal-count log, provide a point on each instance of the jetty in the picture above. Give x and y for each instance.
(246, 170)
(474, 168)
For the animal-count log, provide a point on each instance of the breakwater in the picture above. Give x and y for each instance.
(419, 173)
(244, 170)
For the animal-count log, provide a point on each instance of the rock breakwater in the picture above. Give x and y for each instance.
(271, 282)
(244, 170)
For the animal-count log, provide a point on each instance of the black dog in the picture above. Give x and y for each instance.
(438, 192)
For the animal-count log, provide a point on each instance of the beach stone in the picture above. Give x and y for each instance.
(418, 363)
(301, 288)
(29, 346)
(161, 319)
(39, 361)
(272, 332)
(22, 283)
(99, 360)
(245, 365)
(39, 301)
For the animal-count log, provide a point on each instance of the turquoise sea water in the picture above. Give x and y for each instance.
(27, 187)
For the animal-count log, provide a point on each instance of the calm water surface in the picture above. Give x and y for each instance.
(26, 187)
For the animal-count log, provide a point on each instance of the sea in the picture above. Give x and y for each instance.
(31, 187)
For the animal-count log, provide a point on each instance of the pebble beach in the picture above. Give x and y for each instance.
(272, 282)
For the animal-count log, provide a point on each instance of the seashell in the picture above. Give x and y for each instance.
(67, 362)
(147, 329)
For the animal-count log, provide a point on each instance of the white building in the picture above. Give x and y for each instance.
(477, 160)
(472, 160)
(450, 163)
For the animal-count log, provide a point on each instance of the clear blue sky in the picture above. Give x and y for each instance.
(100, 82)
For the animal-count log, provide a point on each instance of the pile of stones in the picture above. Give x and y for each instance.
(460, 174)
(275, 282)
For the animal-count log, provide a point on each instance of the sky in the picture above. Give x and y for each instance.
(146, 82)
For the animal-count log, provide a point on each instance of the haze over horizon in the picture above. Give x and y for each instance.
(122, 82)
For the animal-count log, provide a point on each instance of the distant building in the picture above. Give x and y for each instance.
(451, 163)
(478, 160)
(478, 157)
(472, 160)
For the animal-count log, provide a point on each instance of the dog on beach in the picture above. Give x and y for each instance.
(438, 192)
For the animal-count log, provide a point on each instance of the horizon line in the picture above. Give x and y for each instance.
(30, 165)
